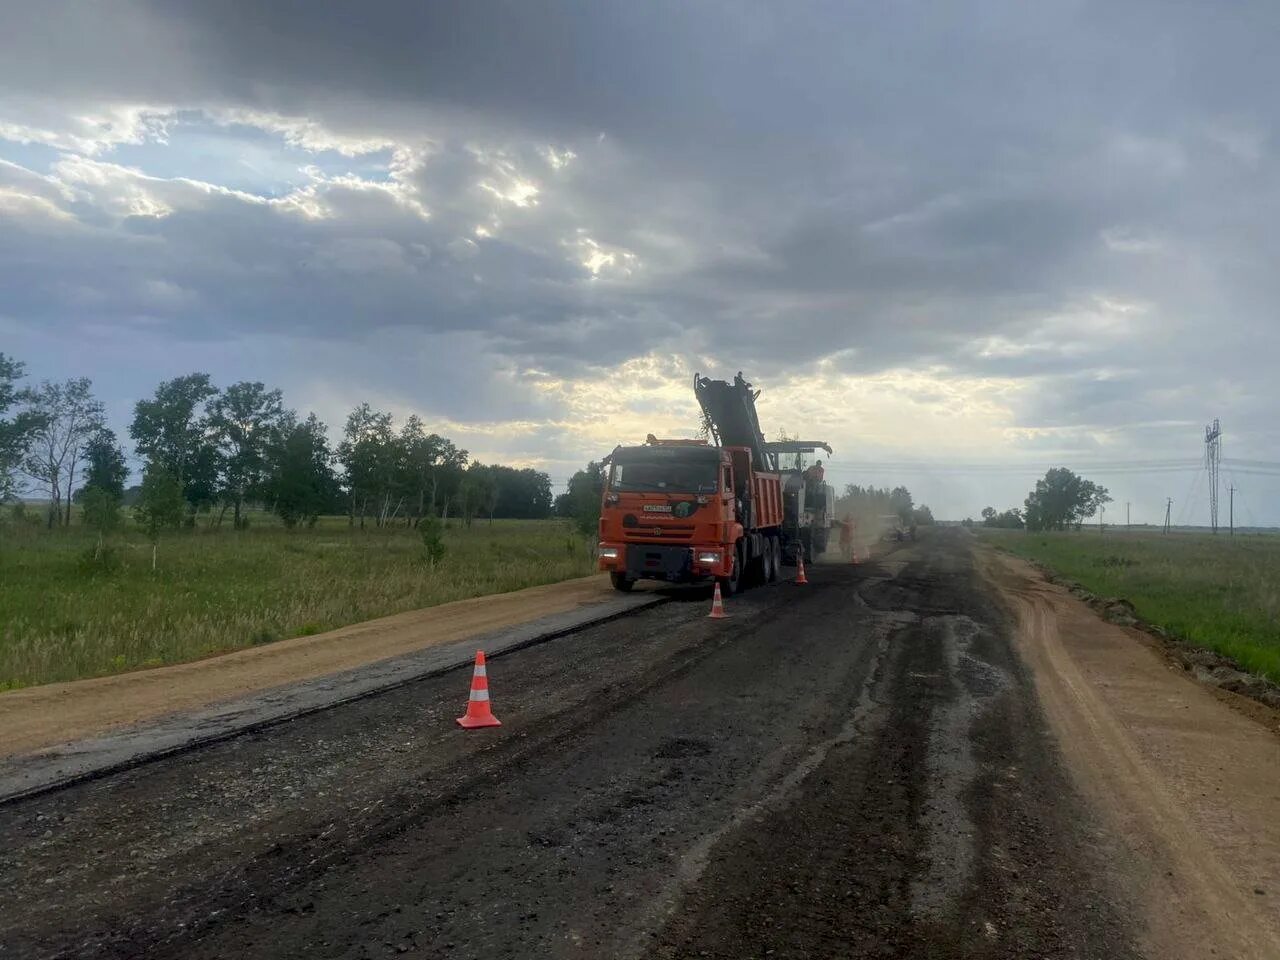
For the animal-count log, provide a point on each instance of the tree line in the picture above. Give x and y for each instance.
(207, 452)
(867, 504)
(1061, 500)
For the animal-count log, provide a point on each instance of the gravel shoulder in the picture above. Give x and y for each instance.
(1191, 783)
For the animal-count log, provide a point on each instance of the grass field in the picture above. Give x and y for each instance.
(64, 616)
(1216, 592)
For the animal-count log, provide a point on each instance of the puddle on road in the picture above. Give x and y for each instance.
(950, 844)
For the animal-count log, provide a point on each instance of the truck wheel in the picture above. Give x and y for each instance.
(774, 550)
(731, 584)
(767, 574)
(621, 582)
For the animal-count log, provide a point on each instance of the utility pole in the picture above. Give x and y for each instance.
(1231, 490)
(1212, 460)
(1168, 508)
(1128, 522)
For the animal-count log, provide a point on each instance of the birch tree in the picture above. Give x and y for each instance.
(68, 417)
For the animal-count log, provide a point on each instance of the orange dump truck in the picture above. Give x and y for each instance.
(685, 511)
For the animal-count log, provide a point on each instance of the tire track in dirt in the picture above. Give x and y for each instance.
(1193, 786)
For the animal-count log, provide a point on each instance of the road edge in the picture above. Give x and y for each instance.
(25, 777)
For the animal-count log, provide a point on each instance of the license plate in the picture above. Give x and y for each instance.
(657, 508)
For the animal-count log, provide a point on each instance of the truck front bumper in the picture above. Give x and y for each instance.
(661, 561)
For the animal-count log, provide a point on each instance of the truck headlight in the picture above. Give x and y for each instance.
(607, 553)
(708, 558)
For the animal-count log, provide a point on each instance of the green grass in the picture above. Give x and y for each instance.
(1215, 592)
(64, 616)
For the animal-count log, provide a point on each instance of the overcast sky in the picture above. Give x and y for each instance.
(997, 236)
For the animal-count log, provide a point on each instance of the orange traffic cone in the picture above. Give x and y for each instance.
(478, 712)
(800, 577)
(717, 605)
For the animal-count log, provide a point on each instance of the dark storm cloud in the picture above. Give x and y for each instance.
(1079, 194)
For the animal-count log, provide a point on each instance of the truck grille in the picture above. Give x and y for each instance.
(670, 533)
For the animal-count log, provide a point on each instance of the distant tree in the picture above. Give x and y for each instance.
(1006, 520)
(868, 505)
(477, 492)
(431, 467)
(371, 461)
(172, 428)
(161, 505)
(68, 418)
(203, 486)
(105, 467)
(581, 502)
(16, 430)
(900, 502)
(523, 494)
(244, 419)
(1062, 500)
(924, 516)
(300, 482)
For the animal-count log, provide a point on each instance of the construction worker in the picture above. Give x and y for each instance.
(846, 536)
(815, 472)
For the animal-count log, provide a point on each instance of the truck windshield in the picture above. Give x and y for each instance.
(671, 475)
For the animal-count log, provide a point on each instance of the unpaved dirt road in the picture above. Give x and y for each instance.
(858, 768)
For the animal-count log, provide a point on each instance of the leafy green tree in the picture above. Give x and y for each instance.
(581, 502)
(431, 532)
(300, 480)
(868, 505)
(371, 462)
(161, 505)
(68, 417)
(244, 420)
(431, 467)
(101, 511)
(523, 494)
(924, 516)
(15, 431)
(105, 467)
(1063, 500)
(172, 428)
(476, 493)
(1006, 520)
(900, 502)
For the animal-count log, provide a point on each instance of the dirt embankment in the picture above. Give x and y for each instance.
(39, 717)
(1193, 785)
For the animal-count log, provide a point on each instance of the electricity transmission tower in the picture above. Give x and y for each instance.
(1212, 461)
(1168, 509)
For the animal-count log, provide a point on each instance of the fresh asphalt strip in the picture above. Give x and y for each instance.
(26, 776)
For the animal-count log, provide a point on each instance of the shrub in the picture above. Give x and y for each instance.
(432, 540)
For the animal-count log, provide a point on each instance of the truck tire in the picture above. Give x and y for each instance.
(621, 582)
(733, 583)
(775, 559)
(767, 572)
